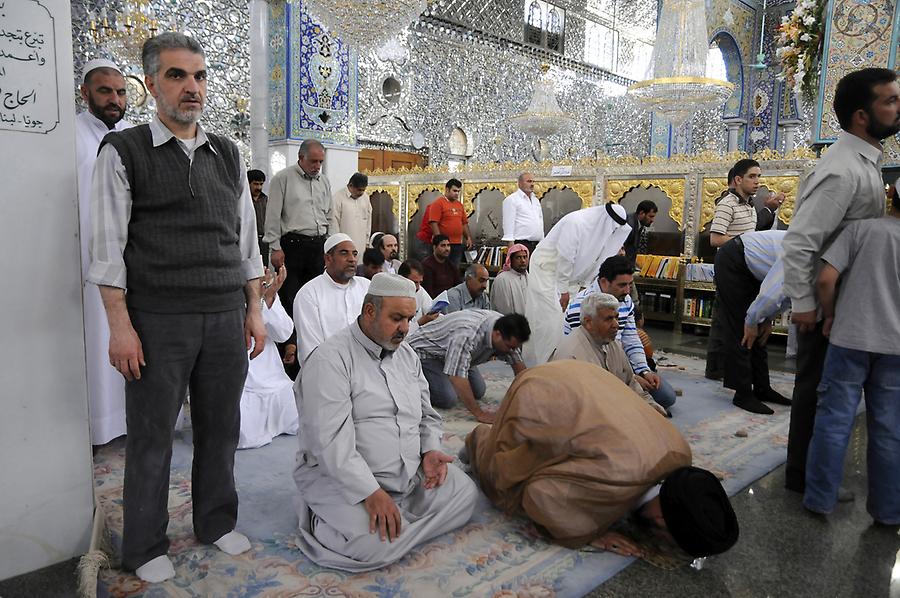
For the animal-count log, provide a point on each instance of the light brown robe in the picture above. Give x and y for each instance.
(611, 357)
(573, 449)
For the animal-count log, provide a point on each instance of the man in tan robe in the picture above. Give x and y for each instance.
(595, 342)
(574, 450)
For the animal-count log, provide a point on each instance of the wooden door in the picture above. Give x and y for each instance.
(371, 159)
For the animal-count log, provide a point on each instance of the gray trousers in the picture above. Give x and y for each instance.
(443, 394)
(206, 353)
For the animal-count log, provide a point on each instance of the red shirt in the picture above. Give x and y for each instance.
(450, 216)
(424, 233)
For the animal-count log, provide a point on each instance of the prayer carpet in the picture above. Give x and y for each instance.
(494, 555)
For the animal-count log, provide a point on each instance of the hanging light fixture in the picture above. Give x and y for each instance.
(544, 117)
(679, 87)
(365, 24)
(124, 32)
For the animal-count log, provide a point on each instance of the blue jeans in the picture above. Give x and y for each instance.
(847, 373)
(665, 394)
(443, 394)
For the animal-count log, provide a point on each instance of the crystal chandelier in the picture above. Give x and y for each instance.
(679, 87)
(365, 24)
(543, 117)
(123, 33)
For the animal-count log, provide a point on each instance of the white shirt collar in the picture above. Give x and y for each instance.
(161, 134)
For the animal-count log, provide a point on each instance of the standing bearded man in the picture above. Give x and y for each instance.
(173, 225)
(103, 91)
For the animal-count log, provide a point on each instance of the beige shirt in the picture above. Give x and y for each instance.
(611, 357)
(298, 204)
(508, 292)
(733, 217)
(352, 217)
(846, 185)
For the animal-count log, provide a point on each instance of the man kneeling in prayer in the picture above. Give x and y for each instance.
(594, 341)
(372, 480)
(576, 451)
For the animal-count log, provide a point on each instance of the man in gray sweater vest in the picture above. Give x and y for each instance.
(174, 253)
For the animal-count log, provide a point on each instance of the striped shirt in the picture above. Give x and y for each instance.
(733, 217)
(460, 340)
(763, 255)
(627, 334)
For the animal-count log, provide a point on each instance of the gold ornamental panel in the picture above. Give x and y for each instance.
(789, 185)
(712, 189)
(393, 191)
(583, 189)
(673, 188)
(412, 196)
(471, 189)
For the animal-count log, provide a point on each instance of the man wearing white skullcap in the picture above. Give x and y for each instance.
(330, 301)
(373, 482)
(103, 92)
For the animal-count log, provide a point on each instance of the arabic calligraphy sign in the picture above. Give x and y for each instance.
(29, 100)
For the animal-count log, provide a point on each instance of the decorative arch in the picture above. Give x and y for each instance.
(672, 188)
(734, 70)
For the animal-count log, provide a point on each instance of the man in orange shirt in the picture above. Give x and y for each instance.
(447, 216)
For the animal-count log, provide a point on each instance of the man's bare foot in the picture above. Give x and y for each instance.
(290, 355)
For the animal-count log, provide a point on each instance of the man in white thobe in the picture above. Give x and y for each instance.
(567, 259)
(372, 481)
(103, 91)
(267, 402)
(509, 288)
(352, 211)
(523, 219)
(330, 301)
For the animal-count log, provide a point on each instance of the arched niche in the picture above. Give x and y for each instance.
(734, 71)
(486, 221)
(419, 197)
(666, 236)
(556, 203)
(385, 209)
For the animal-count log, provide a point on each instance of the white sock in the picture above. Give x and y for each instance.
(234, 543)
(156, 570)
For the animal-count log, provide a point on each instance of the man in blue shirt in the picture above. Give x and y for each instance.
(750, 292)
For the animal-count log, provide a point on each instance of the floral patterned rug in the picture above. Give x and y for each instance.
(493, 556)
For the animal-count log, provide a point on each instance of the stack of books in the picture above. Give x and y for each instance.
(656, 301)
(699, 307)
(699, 272)
(657, 266)
(491, 256)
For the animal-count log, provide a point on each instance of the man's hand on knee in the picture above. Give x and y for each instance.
(383, 515)
(434, 465)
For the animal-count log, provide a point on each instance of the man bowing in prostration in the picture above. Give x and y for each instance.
(565, 261)
(372, 480)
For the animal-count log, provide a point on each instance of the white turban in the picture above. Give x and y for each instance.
(336, 239)
(385, 284)
(98, 63)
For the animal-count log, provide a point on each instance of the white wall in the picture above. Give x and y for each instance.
(341, 162)
(46, 484)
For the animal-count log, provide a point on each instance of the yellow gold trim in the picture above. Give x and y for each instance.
(675, 80)
(471, 189)
(393, 191)
(712, 188)
(673, 188)
(583, 189)
(789, 185)
(412, 196)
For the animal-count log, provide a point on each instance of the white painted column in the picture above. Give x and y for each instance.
(259, 86)
(46, 477)
(733, 125)
(787, 134)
